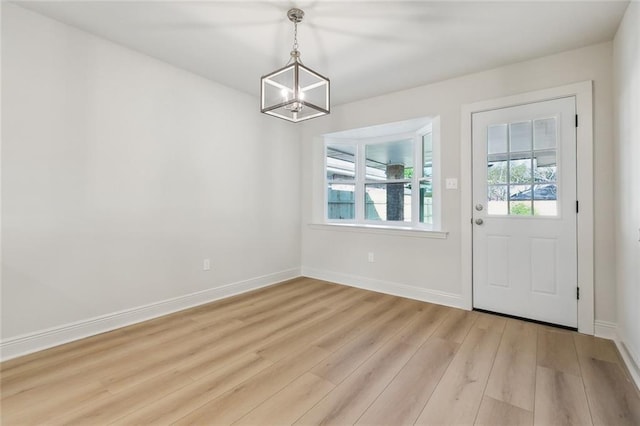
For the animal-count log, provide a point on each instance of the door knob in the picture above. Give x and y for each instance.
(479, 207)
(479, 221)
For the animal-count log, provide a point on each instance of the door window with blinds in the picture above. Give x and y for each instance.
(522, 168)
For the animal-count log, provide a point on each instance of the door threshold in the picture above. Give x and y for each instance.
(549, 324)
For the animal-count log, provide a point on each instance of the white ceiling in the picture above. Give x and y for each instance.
(366, 48)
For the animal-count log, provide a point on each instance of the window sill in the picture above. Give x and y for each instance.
(380, 230)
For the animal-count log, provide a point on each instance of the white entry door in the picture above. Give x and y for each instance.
(524, 211)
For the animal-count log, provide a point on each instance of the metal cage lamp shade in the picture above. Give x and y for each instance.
(295, 92)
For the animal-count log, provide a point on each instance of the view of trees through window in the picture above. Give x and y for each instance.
(522, 168)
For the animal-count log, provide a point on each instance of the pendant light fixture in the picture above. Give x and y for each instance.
(294, 92)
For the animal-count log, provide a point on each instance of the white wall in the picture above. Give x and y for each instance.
(430, 268)
(121, 174)
(627, 179)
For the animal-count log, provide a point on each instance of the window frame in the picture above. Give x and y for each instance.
(360, 181)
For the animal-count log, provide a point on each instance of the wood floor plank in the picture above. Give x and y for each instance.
(512, 379)
(246, 338)
(95, 351)
(499, 413)
(344, 333)
(183, 401)
(290, 403)
(313, 352)
(424, 324)
(613, 398)
(240, 400)
(112, 407)
(247, 341)
(346, 359)
(456, 325)
(405, 397)
(301, 301)
(89, 366)
(267, 302)
(457, 397)
(560, 399)
(280, 290)
(163, 357)
(556, 350)
(346, 403)
(490, 322)
(39, 408)
(595, 347)
(306, 336)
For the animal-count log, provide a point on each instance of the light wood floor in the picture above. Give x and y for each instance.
(309, 352)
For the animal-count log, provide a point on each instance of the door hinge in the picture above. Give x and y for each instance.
(576, 120)
(578, 293)
(577, 206)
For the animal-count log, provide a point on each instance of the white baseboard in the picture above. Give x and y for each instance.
(630, 358)
(609, 330)
(605, 329)
(43, 339)
(396, 289)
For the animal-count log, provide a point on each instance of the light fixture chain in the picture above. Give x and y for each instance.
(295, 36)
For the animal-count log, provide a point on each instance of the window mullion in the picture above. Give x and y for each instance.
(418, 171)
(360, 180)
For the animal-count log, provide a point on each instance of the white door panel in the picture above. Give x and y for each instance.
(524, 231)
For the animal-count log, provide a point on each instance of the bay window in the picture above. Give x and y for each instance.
(383, 176)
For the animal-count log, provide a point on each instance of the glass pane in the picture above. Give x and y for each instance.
(389, 160)
(314, 89)
(520, 136)
(520, 200)
(496, 171)
(520, 171)
(341, 201)
(545, 192)
(426, 202)
(497, 139)
(520, 192)
(520, 208)
(544, 133)
(545, 200)
(427, 155)
(388, 201)
(497, 199)
(278, 87)
(545, 167)
(341, 162)
(408, 172)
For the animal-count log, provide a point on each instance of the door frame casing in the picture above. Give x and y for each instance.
(583, 93)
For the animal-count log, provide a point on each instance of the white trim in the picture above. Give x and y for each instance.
(629, 359)
(609, 330)
(387, 287)
(43, 339)
(396, 231)
(583, 92)
(605, 329)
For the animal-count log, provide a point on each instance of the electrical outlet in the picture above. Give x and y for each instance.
(370, 257)
(451, 183)
(206, 264)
